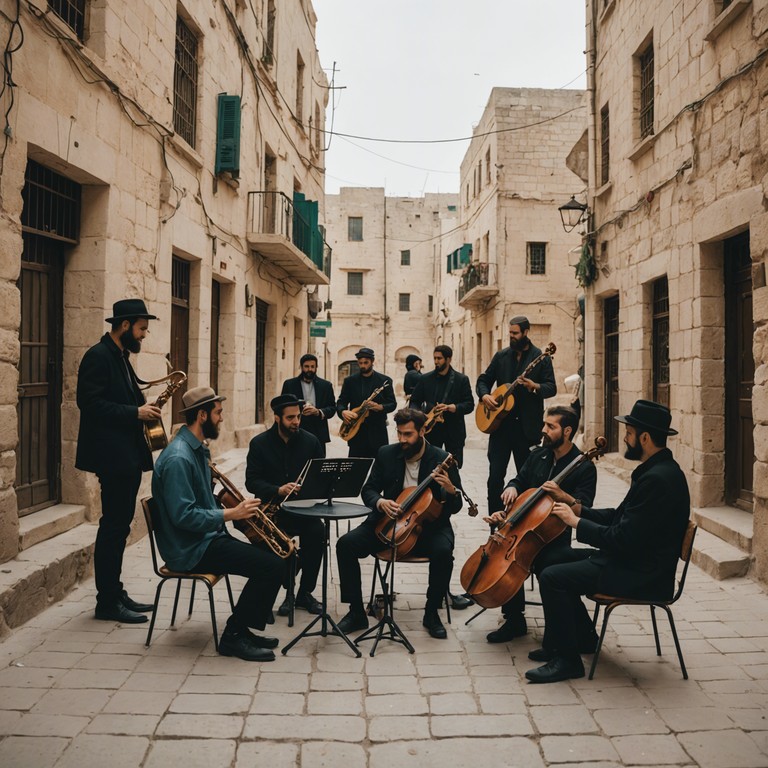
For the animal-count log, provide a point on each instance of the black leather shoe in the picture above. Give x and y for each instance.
(132, 605)
(242, 646)
(118, 612)
(514, 626)
(306, 601)
(353, 622)
(262, 641)
(434, 626)
(559, 668)
(460, 602)
(284, 608)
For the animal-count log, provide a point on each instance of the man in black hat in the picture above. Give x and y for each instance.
(275, 460)
(318, 397)
(521, 429)
(111, 444)
(357, 388)
(412, 376)
(635, 546)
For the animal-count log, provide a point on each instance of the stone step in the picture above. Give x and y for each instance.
(617, 465)
(718, 558)
(47, 523)
(734, 526)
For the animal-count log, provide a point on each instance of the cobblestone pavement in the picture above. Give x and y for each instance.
(79, 692)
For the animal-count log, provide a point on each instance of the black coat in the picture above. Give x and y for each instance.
(459, 392)
(325, 402)
(529, 406)
(640, 540)
(410, 380)
(357, 388)
(272, 462)
(111, 436)
(388, 473)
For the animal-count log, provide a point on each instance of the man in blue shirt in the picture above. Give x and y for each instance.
(191, 532)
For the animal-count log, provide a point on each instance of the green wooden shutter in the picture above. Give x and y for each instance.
(228, 135)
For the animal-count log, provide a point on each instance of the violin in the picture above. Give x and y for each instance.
(495, 572)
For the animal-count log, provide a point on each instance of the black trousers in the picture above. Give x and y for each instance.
(312, 535)
(366, 443)
(118, 504)
(435, 542)
(441, 437)
(263, 569)
(508, 440)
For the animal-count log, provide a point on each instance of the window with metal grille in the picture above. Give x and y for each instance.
(404, 302)
(268, 56)
(430, 303)
(185, 83)
(605, 145)
(660, 341)
(646, 91)
(354, 283)
(536, 262)
(51, 204)
(488, 166)
(355, 228)
(299, 87)
(180, 282)
(72, 13)
(405, 258)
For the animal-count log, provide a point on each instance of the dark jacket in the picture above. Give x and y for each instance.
(640, 540)
(410, 381)
(388, 473)
(111, 436)
(457, 391)
(529, 406)
(272, 462)
(357, 388)
(325, 402)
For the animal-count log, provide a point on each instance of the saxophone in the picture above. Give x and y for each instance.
(154, 431)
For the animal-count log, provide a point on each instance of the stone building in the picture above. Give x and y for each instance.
(676, 238)
(162, 150)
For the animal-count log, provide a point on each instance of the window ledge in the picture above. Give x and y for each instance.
(227, 178)
(182, 148)
(726, 18)
(600, 191)
(607, 10)
(642, 147)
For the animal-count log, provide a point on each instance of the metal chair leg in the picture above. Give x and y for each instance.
(192, 597)
(655, 630)
(229, 591)
(606, 616)
(213, 619)
(154, 612)
(176, 601)
(677, 640)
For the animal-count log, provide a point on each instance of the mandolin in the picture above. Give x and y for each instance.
(348, 431)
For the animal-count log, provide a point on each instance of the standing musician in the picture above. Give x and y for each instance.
(636, 545)
(318, 397)
(449, 391)
(557, 451)
(357, 388)
(521, 429)
(275, 460)
(191, 534)
(399, 466)
(412, 376)
(111, 443)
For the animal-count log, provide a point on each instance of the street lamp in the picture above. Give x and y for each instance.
(573, 213)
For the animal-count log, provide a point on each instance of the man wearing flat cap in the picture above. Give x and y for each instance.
(275, 460)
(357, 388)
(635, 547)
(192, 535)
(111, 444)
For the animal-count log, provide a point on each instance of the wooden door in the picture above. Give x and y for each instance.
(179, 353)
(262, 310)
(611, 371)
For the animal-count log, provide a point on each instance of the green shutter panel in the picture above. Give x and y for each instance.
(465, 254)
(228, 135)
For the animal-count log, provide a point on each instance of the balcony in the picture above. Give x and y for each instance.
(287, 234)
(478, 283)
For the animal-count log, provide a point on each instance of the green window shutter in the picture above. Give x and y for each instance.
(448, 260)
(465, 254)
(228, 135)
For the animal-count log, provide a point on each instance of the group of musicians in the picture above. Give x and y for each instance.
(632, 550)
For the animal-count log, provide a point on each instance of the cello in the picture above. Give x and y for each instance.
(494, 573)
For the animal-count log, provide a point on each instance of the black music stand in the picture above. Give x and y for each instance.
(326, 479)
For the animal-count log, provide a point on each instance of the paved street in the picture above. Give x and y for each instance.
(78, 692)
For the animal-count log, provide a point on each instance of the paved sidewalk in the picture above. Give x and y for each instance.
(83, 693)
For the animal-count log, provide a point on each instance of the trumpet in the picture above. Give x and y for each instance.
(260, 527)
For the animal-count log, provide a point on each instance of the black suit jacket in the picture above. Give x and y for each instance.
(458, 393)
(111, 436)
(326, 403)
(357, 388)
(529, 406)
(388, 473)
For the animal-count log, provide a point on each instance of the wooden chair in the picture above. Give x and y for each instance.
(610, 602)
(165, 574)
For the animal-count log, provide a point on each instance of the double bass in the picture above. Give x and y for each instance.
(494, 573)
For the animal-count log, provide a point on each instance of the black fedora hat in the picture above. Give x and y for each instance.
(365, 352)
(277, 404)
(128, 309)
(650, 416)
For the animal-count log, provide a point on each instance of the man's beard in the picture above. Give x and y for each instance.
(634, 452)
(130, 342)
(409, 451)
(441, 368)
(308, 375)
(518, 344)
(210, 430)
(288, 432)
(548, 442)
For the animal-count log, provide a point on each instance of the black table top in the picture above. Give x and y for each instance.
(336, 510)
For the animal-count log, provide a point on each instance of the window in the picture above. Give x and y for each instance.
(72, 13)
(660, 341)
(318, 131)
(268, 56)
(185, 83)
(355, 228)
(605, 145)
(645, 61)
(354, 283)
(405, 258)
(488, 166)
(430, 303)
(299, 112)
(536, 263)
(404, 302)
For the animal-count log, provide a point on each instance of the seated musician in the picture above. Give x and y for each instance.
(275, 460)
(191, 532)
(636, 545)
(398, 466)
(552, 457)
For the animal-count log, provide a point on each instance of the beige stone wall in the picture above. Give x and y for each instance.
(670, 202)
(148, 195)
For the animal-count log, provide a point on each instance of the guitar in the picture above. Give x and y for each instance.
(348, 431)
(488, 420)
(435, 416)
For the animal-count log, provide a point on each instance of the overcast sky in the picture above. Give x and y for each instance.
(424, 69)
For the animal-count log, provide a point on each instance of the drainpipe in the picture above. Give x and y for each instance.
(384, 241)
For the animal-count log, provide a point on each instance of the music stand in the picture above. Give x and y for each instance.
(325, 479)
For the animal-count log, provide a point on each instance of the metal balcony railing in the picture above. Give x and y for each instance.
(479, 275)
